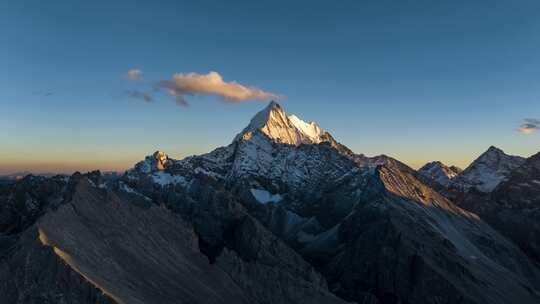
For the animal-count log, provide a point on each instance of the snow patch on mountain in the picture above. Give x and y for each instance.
(128, 189)
(164, 179)
(264, 197)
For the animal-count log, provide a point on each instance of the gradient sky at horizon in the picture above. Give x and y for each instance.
(416, 80)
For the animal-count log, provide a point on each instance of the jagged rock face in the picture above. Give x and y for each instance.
(113, 244)
(33, 273)
(134, 253)
(513, 207)
(23, 202)
(298, 171)
(438, 173)
(487, 171)
(29, 271)
(522, 188)
(455, 169)
(401, 235)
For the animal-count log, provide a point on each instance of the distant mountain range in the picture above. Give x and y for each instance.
(483, 174)
(283, 214)
(20, 175)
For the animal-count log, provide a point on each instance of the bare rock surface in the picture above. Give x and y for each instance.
(116, 246)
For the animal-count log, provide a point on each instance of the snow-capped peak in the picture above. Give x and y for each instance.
(272, 111)
(283, 128)
(161, 159)
(488, 170)
(155, 162)
(439, 172)
(311, 129)
(495, 157)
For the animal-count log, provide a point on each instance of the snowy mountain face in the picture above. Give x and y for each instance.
(282, 128)
(487, 171)
(439, 172)
(276, 152)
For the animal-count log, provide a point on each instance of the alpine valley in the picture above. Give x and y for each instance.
(283, 214)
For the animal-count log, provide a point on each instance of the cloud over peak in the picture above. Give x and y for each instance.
(212, 84)
(529, 126)
(182, 85)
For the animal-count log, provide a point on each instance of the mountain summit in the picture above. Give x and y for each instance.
(439, 172)
(286, 129)
(488, 170)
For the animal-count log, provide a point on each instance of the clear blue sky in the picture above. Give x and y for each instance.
(417, 80)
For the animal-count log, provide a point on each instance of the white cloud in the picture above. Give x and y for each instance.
(211, 84)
